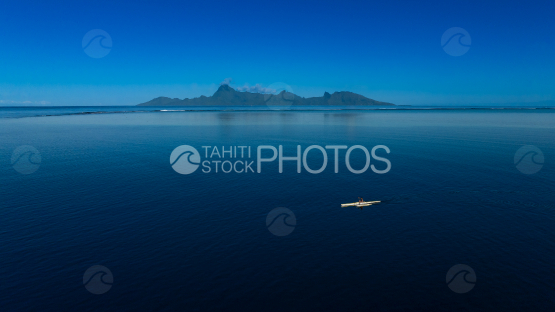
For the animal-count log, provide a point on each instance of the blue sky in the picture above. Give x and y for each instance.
(386, 50)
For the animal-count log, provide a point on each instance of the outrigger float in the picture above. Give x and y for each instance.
(361, 204)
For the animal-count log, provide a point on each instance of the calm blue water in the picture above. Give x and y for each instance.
(48, 111)
(105, 194)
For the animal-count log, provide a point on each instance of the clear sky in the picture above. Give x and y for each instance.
(387, 50)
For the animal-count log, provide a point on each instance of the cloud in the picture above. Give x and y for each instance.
(257, 88)
(226, 81)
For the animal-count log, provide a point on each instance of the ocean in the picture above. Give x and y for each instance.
(96, 217)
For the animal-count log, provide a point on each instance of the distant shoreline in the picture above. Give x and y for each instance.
(227, 96)
(58, 111)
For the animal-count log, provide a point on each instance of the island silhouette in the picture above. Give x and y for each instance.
(227, 96)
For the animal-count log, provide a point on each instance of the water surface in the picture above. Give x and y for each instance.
(105, 193)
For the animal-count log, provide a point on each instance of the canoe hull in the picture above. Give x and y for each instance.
(363, 204)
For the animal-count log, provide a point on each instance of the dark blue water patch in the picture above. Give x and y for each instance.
(106, 194)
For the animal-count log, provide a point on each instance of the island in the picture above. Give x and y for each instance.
(227, 96)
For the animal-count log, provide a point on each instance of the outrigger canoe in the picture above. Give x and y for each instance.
(363, 204)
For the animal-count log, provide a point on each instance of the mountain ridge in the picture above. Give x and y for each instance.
(227, 96)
